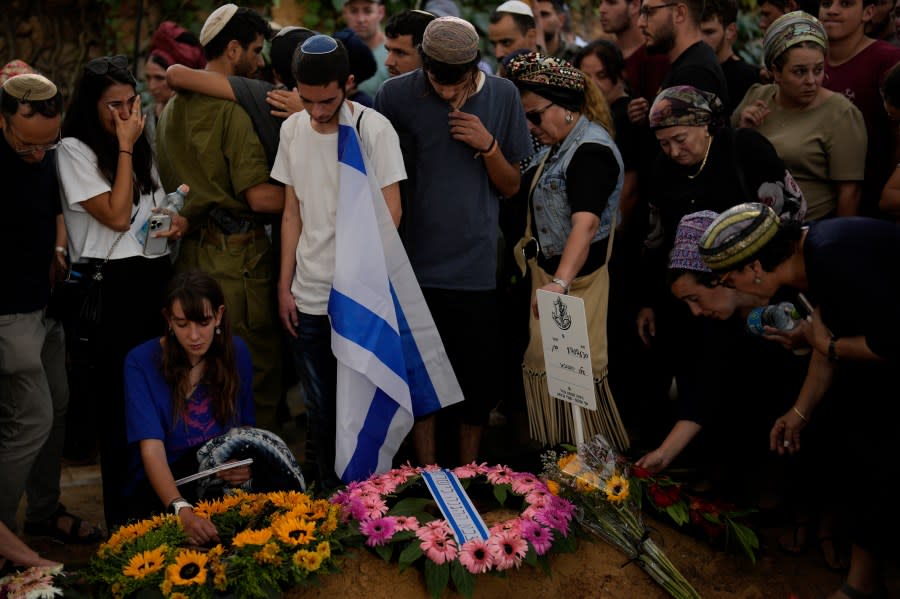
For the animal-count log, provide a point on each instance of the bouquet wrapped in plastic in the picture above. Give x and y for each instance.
(596, 480)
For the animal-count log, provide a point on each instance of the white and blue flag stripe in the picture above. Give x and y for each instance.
(392, 367)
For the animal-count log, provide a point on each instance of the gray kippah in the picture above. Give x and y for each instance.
(30, 87)
(450, 40)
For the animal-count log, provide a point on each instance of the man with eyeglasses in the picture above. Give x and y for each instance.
(33, 388)
(643, 71)
(210, 144)
(673, 29)
(468, 133)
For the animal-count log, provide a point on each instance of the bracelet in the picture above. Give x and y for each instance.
(832, 350)
(800, 414)
(563, 284)
(61, 250)
(491, 149)
(126, 152)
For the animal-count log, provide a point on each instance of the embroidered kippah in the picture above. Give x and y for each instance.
(450, 40)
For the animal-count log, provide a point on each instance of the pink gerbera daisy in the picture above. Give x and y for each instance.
(507, 549)
(378, 530)
(540, 538)
(499, 475)
(539, 496)
(407, 522)
(439, 549)
(475, 556)
(524, 483)
(553, 519)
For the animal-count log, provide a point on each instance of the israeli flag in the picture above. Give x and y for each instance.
(392, 366)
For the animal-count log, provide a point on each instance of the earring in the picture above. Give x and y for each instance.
(218, 330)
(569, 117)
(171, 332)
(757, 281)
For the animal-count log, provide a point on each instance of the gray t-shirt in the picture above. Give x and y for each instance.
(451, 216)
(251, 95)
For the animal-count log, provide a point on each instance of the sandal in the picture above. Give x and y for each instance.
(51, 528)
(834, 554)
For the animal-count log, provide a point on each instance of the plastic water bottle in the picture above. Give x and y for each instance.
(173, 201)
(782, 316)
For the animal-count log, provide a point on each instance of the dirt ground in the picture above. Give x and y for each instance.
(595, 571)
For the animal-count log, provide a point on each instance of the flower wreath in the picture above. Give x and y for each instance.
(395, 509)
(268, 541)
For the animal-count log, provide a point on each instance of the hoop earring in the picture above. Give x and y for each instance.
(569, 117)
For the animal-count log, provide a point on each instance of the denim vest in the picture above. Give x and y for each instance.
(552, 214)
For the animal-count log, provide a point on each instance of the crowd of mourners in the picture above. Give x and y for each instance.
(675, 187)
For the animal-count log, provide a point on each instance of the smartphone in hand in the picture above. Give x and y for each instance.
(158, 223)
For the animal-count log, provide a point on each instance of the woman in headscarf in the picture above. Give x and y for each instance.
(848, 268)
(704, 165)
(573, 204)
(171, 44)
(820, 134)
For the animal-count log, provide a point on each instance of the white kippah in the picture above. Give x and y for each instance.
(216, 22)
(30, 87)
(516, 7)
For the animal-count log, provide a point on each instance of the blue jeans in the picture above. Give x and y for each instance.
(317, 369)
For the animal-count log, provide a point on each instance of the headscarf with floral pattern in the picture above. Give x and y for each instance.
(551, 78)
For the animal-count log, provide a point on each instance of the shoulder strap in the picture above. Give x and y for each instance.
(362, 111)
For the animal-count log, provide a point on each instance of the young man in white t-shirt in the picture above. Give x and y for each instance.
(307, 163)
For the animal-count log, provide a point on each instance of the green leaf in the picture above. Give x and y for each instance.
(531, 557)
(436, 577)
(563, 544)
(500, 492)
(385, 551)
(410, 506)
(463, 580)
(409, 555)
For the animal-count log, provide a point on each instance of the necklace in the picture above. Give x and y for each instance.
(198, 363)
(702, 164)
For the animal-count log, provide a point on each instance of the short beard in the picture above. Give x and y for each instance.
(662, 45)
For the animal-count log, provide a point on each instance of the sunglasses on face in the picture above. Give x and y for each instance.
(537, 116)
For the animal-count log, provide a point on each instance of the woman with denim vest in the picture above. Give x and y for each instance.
(573, 201)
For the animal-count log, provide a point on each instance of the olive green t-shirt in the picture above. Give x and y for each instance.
(209, 144)
(819, 146)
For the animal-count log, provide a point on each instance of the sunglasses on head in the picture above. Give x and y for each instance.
(105, 64)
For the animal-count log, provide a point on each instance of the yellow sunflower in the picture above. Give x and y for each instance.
(308, 560)
(232, 499)
(146, 562)
(617, 489)
(587, 482)
(252, 537)
(220, 581)
(292, 530)
(321, 508)
(268, 555)
(324, 549)
(565, 460)
(288, 499)
(553, 487)
(189, 568)
(124, 534)
(178, 596)
(206, 509)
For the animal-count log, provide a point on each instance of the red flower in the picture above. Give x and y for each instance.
(664, 496)
(639, 472)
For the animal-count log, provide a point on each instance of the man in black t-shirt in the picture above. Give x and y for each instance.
(719, 29)
(673, 28)
(33, 388)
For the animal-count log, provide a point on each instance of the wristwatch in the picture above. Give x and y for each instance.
(179, 503)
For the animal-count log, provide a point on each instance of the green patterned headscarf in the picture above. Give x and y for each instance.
(791, 29)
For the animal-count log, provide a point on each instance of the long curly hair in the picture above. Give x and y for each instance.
(200, 296)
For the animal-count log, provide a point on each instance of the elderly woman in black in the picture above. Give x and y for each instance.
(704, 165)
